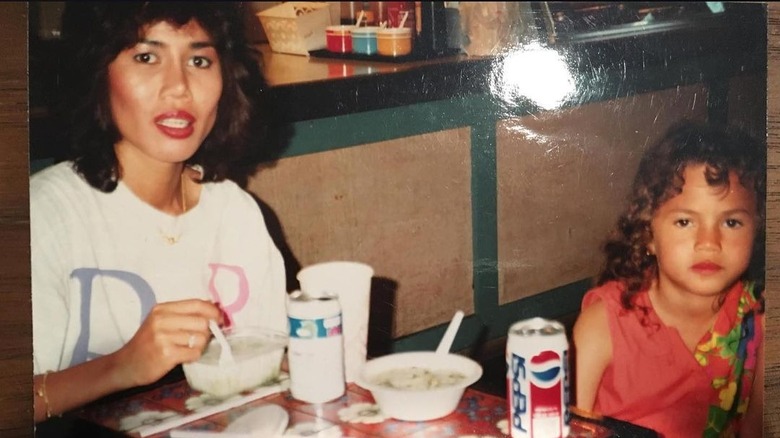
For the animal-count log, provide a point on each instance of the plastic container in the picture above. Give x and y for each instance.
(364, 40)
(258, 356)
(394, 41)
(339, 38)
(419, 404)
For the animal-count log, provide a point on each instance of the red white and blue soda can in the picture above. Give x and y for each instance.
(537, 379)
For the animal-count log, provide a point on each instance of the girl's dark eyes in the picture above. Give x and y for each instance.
(729, 223)
(733, 223)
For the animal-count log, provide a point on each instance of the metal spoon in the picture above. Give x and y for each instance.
(449, 334)
(225, 354)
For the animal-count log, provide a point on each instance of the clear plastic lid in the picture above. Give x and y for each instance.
(367, 31)
(340, 29)
(394, 32)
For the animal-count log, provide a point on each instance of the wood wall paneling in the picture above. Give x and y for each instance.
(563, 178)
(402, 206)
(15, 311)
(747, 103)
(772, 346)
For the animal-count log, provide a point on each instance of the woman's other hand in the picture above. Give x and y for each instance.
(173, 333)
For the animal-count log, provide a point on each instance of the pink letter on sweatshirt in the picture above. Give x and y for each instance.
(243, 289)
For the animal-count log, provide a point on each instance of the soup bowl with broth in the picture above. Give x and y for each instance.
(418, 385)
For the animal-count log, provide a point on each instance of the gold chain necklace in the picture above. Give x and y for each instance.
(173, 238)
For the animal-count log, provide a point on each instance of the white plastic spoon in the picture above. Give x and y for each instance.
(225, 354)
(449, 334)
(403, 20)
(359, 18)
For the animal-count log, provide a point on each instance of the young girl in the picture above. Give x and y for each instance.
(138, 240)
(671, 337)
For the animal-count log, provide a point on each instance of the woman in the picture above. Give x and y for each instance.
(138, 240)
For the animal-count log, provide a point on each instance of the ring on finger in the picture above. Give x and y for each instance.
(191, 341)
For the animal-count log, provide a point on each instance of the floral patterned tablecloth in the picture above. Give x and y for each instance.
(352, 415)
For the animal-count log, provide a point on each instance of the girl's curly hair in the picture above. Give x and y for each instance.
(94, 33)
(660, 177)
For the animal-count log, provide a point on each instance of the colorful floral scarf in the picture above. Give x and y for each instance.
(728, 353)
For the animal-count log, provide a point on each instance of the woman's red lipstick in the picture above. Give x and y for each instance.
(175, 124)
(706, 267)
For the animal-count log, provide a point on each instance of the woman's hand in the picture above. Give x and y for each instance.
(173, 333)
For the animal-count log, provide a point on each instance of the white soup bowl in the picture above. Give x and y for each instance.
(418, 396)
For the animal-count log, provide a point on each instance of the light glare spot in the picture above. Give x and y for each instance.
(538, 74)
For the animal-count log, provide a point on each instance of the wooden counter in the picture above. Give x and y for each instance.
(282, 70)
(306, 88)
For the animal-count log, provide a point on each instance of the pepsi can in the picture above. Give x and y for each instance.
(537, 379)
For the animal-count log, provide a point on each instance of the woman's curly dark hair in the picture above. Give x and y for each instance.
(660, 177)
(94, 33)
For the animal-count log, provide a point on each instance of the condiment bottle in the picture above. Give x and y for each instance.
(315, 351)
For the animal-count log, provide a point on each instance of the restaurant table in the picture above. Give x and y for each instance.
(174, 405)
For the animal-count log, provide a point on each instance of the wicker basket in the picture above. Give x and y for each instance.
(296, 27)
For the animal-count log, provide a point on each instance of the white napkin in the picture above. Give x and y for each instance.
(269, 421)
(231, 403)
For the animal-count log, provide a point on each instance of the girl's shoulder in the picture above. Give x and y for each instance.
(608, 293)
(593, 319)
(597, 304)
(592, 337)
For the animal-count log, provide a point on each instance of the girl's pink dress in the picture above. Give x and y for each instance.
(656, 382)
